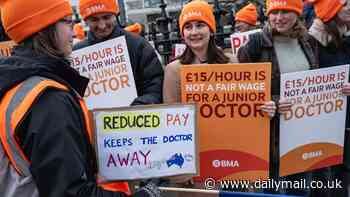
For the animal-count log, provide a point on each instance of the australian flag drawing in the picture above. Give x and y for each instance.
(176, 159)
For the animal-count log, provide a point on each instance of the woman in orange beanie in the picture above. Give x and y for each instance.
(246, 18)
(197, 27)
(46, 140)
(331, 29)
(283, 37)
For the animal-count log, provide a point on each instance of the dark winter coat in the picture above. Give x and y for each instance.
(52, 134)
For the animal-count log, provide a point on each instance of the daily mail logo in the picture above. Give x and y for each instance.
(192, 14)
(95, 8)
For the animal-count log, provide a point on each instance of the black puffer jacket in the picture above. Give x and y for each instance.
(52, 134)
(148, 71)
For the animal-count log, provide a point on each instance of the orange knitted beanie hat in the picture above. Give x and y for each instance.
(197, 11)
(91, 7)
(23, 18)
(289, 5)
(247, 14)
(326, 9)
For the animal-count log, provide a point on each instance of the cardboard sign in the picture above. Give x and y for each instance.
(240, 39)
(146, 142)
(234, 133)
(107, 64)
(6, 48)
(312, 132)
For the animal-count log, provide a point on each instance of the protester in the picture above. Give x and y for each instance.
(283, 37)
(197, 27)
(46, 138)
(331, 29)
(246, 18)
(198, 34)
(101, 17)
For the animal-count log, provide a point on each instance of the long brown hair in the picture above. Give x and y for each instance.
(215, 55)
(45, 43)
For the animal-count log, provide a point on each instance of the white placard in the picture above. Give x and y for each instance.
(146, 142)
(240, 39)
(313, 130)
(107, 65)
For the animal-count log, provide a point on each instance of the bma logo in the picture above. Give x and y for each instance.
(192, 14)
(95, 8)
(278, 3)
(225, 163)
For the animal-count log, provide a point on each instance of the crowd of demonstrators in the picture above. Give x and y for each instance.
(246, 18)
(62, 161)
(46, 139)
(331, 29)
(104, 25)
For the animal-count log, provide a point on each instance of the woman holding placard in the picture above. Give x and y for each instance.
(285, 43)
(197, 27)
(46, 138)
(331, 29)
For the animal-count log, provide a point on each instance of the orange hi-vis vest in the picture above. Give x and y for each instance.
(15, 177)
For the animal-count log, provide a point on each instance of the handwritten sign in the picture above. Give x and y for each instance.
(234, 133)
(107, 64)
(6, 48)
(145, 142)
(240, 39)
(312, 132)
